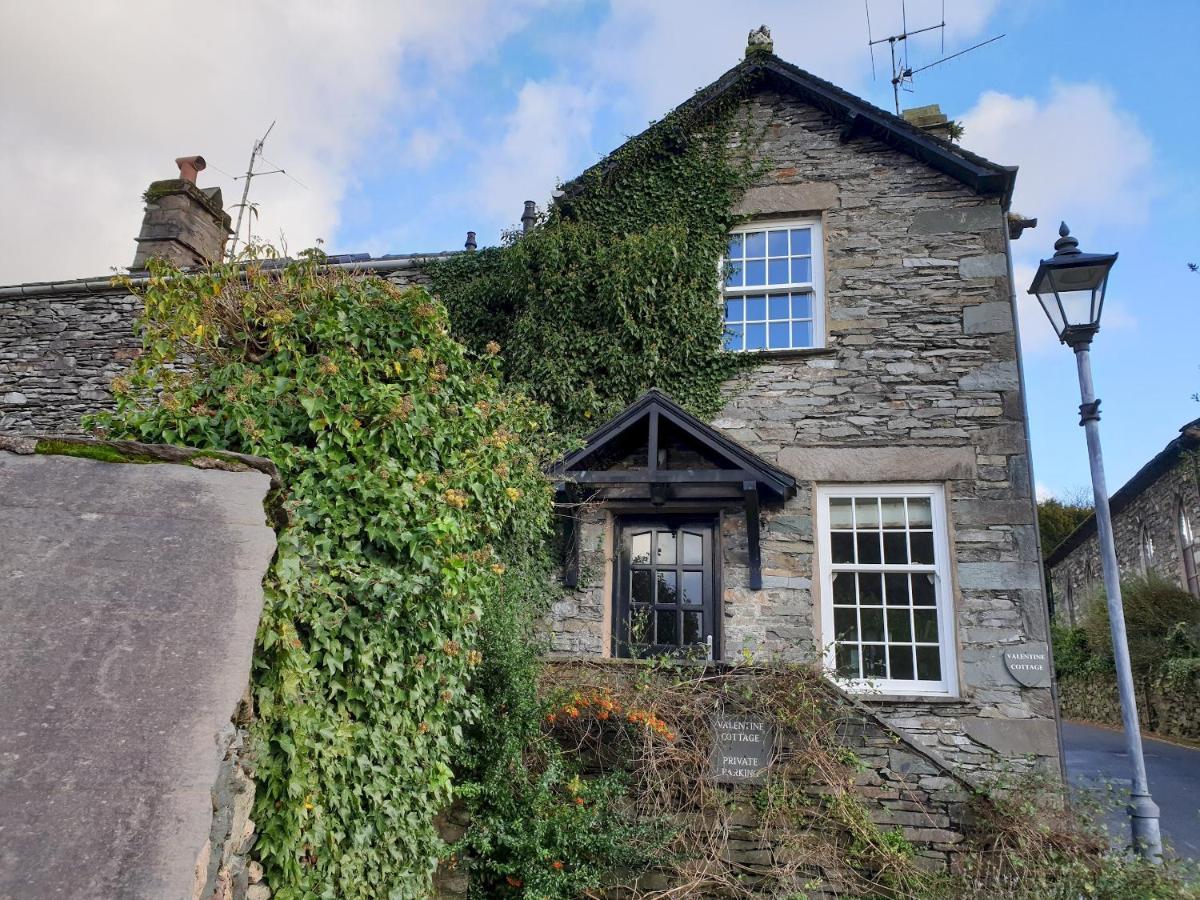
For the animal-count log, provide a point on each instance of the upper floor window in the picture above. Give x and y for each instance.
(886, 608)
(774, 287)
(1189, 550)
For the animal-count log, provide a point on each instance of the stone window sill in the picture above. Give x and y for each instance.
(913, 699)
(761, 357)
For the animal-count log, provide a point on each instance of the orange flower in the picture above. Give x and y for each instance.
(602, 715)
(579, 801)
(557, 864)
(550, 718)
(513, 881)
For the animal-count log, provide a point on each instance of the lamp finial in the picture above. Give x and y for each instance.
(1065, 245)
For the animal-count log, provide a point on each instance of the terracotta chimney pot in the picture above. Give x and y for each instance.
(189, 166)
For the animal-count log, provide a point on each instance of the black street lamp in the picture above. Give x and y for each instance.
(1070, 286)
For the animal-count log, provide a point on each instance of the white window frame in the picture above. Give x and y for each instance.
(943, 591)
(816, 287)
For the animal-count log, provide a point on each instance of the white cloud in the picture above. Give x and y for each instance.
(1043, 493)
(102, 96)
(544, 141)
(1082, 157)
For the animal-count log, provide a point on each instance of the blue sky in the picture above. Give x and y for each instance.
(406, 124)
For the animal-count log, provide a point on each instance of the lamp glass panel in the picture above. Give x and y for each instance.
(1050, 307)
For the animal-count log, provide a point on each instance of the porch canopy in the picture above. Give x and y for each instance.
(655, 452)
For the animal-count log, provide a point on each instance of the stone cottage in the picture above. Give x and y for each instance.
(864, 498)
(1154, 514)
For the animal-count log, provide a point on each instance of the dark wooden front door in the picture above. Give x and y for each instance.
(666, 588)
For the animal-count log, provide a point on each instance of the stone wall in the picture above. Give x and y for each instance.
(58, 355)
(1166, 706)
(1078, 575)
(901, 785)
(59, 351)
(918, 382)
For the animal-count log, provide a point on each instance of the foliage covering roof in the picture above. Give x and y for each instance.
(762, 70)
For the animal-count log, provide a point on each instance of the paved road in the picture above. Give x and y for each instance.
(1096, 758)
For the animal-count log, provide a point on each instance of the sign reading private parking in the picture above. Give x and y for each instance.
(743, 749)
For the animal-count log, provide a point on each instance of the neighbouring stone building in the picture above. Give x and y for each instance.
(1155, 516)
(864, 499)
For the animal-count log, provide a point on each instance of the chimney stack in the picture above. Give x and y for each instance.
(183, 224)
(470, 244)
(529, 216)
(932, 119)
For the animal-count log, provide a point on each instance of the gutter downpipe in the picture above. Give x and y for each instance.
(1012, 285)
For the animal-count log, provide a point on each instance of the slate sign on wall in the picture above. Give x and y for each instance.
(1029, 663)
(743, 749)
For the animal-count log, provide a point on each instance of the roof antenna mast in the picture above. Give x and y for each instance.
(902, 72)
(255, 155)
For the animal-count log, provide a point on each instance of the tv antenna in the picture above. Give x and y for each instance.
(255, 155)
(902, 72)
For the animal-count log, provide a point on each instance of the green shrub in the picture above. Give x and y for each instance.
(1073, 654)
(1162, 621)
(413, 494)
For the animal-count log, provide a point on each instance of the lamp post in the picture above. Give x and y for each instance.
(1070, 287)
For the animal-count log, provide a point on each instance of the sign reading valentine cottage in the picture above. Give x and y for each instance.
(1029, 663)
(743, 749)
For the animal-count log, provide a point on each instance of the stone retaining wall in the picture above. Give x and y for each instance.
(1166, 706)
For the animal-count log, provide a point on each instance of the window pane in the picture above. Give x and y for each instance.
(733, 337)
(734, 277)
(872, 623)
(874, 662)
(895, 548)
(735, 246)
(922, 588)
(802, 306)
(897, 589)
(777, 243)
(900, 656)
(868, 547)
(640, 624)
(925, 625)
(640, 590)
(693, 549)
(756, 243)
(777, 271)
(870, 589)
(693, 591)
(847, 660)
(756, 272)
(840, 515)
(845, 624)
(866, 512)
(666, 548)
(919, 514)
(802, 270)
(666, 625)
(734, 310)
(801, 240)
(929, 665)
(778, 336)
(899, 626)
(893, 512)
(639, 547)
(843, 587)
(667, 593)
(778, 307)
(841, 546)
(802, 334)
(756, 337)
(693, 628)
(922, 546)
(756, 309)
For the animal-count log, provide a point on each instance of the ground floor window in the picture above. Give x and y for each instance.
(665, 588)
(886, 609)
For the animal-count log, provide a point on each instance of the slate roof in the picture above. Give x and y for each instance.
(761, 70)
(1189, 439)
